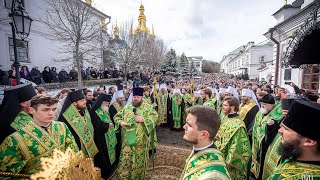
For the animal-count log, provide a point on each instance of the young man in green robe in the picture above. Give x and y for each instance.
(206, 95)
(104, 135)
(14, 110)
(21, 152)
(269, 110)
(77, 117)
(232, 140)
(137, 121)
(300, 142)
(205, 161)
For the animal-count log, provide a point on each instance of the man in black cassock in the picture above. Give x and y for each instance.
(75, 115)
(104, 136)
(14, 112)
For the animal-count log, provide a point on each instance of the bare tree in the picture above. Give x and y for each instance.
(76, 26)
(127, 48)
(155, 50)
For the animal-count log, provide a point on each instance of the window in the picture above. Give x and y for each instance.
(287, 74)
(22, 50)
(8, 3)
(310, 78)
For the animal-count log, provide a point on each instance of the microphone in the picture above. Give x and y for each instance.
(134, 110)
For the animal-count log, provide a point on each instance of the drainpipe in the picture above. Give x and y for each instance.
(271, 30)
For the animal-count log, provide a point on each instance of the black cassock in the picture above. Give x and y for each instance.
(101, 159)
(170, 115)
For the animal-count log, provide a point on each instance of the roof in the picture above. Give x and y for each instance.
(99, 13)
(305, 9)
(295, 4)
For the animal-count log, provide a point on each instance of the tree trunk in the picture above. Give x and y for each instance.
(80, 84)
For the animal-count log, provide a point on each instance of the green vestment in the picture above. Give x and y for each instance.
(82, 125)
(294, 170)
(21, 120)
(110, 135)
(135, 140)
(210, 102)
(162, 107)
(273, 157)
(176, 111)
(21, 151)
(258, 135)
(205, 164)
(233, 142)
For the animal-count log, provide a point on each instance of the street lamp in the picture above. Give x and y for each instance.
(20, 24)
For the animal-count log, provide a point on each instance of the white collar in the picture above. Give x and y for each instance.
(202, 148)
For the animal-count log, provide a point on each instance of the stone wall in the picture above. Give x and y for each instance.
(74, 84)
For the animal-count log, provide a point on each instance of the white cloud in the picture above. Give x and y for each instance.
(209, 28)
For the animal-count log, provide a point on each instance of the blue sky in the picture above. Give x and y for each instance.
(208, 28)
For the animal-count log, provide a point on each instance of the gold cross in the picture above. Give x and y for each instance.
(286, 2)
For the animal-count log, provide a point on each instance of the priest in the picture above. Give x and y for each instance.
(75, 114)
(300, 142)
(137, 121)
(14, 110)
(104, 135)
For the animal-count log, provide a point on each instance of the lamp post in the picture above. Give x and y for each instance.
(20, 24)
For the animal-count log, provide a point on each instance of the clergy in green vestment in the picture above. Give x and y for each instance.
(77, 117)
(249, 107)
(187, 101)
(137, 121)
(273, 157)
(117, 103)
(104, 135)
(270, 110)
(146, 95)
(222, 93)
(205, 161)
(14, 109)
(21, 152)
(300, 142)
(163, 101)
(208, 100)
(176, 110)
(232, 140)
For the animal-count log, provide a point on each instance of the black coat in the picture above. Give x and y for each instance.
(54, 76)
(46, 75)
(101, 159)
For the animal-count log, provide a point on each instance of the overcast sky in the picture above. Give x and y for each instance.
(208, 28)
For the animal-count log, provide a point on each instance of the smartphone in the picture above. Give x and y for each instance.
(288, 83)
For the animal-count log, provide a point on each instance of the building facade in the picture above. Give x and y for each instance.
(297, 32)
(41, 48)
(246, 59)
(197, 62)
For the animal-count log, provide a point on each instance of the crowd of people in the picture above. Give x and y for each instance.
(51, 75)
(239, 129)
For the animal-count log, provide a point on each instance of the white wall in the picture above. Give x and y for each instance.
(42, 51)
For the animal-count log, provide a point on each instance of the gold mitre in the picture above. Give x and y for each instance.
(68, 165)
